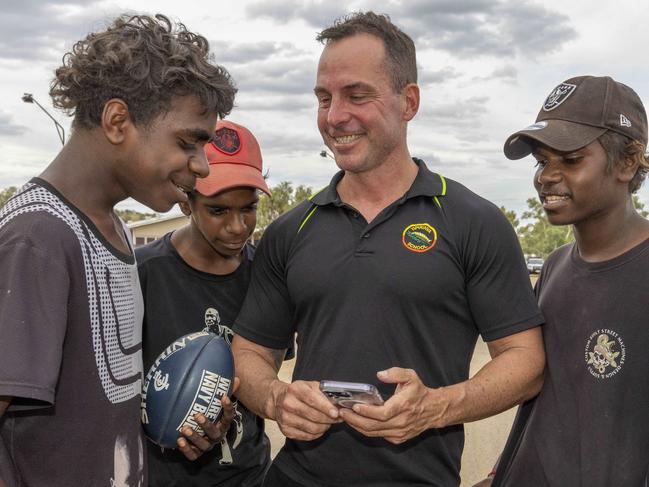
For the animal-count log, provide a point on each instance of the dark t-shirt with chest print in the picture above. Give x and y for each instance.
(588, 426)
(180, 300)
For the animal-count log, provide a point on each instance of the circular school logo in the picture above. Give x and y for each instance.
(419, 237)
(227, 141)
(605, 353)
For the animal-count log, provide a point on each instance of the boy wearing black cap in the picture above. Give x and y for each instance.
(145, 99)
(588, 425)
(196, 278)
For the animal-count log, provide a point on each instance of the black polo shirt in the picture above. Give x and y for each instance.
(412, 289)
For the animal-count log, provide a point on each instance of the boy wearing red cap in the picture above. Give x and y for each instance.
(588, 425)
(196, 278)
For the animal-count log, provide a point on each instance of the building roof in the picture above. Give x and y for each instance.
(152, 221)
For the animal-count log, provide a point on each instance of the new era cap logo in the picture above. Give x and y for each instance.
(624, 122)
(558, 96)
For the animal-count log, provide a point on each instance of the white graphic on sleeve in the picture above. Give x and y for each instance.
(126, 473)
(115, 303)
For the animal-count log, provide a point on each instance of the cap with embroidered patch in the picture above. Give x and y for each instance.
(578, 111)
(235, 160)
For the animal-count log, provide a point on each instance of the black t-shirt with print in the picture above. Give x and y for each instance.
(180, 300)
(588, 426)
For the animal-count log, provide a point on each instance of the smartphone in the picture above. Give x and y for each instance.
(346, 394)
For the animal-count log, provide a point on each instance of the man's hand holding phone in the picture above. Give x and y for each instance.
(302, 412)
(403, 416)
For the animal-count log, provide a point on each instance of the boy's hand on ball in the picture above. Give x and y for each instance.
(193, 445)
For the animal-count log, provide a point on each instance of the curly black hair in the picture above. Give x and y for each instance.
(145, 62)
(620, 148)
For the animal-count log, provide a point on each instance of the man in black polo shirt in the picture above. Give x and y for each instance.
(388, 275)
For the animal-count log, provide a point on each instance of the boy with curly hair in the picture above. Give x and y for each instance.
(145, 99)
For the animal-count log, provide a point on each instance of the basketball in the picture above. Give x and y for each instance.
(192, 375)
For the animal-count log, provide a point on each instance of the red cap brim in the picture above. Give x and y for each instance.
(227, 176)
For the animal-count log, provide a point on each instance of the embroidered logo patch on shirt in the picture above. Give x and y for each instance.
(605, 353)
(419, 237)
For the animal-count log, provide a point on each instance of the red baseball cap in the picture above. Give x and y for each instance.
(235, 160)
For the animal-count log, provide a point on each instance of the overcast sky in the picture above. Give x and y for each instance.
(485, 67)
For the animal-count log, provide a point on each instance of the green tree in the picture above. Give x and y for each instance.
(133, 216)
(7, 193)
(511, 216)
(539, 237)
(639, 205)
(284, 198)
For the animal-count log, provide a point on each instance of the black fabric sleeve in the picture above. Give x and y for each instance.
(266, 317)
(498, 286)
(34, 289)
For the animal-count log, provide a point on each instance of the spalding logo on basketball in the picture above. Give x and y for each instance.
(191, 376)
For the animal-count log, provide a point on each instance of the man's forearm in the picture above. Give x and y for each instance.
(257, 369)
(510, 378)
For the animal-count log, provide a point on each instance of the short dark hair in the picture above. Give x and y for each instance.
(145, 62)
(620, 148)
(400, 53)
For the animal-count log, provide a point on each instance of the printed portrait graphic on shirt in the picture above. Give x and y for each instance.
(235, 434)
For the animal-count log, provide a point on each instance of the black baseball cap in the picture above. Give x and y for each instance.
(578, 111)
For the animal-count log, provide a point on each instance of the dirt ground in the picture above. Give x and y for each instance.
(483, 439)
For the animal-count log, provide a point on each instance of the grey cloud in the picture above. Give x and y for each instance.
(460, 113)
(472, 29)
(290, 143)
(507, 73)
(316, 13)
(427, 76)
(245, 53)
(8, 127)
(39, 31)
(466, 29)
(282, 76)
(277, 103)
(462, 119)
